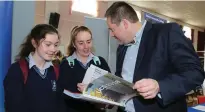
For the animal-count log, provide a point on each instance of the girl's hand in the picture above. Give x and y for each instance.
(81, 86)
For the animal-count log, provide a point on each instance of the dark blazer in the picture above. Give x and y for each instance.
(167, 56)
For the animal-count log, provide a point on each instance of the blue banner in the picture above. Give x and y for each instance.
(6, 13)
(153, 19)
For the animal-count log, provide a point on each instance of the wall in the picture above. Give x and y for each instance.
(23, 21)
(67, 20)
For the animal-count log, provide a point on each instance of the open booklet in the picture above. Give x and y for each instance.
(103, 87)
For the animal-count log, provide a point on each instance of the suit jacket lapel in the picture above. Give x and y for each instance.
(142, 50)
(121, 51)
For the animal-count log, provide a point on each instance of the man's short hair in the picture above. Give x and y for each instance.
(121, 10)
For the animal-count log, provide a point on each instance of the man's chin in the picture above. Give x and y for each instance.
(120, 42)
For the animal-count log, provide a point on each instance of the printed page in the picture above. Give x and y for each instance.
(100, 100)
(90, 98)
(71, 94)
(92, 73)
(112, 88)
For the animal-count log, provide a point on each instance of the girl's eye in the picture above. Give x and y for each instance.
(48, 44)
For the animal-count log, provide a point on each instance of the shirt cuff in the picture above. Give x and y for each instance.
(159, 95)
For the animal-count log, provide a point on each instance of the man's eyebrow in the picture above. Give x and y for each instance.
(110, 29)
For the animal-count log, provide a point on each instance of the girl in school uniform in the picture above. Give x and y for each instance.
(37, 91)
(73, 68)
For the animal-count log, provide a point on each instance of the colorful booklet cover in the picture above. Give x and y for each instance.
(105, 88)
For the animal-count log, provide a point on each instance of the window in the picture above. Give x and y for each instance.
(85, 6)
(187, 32)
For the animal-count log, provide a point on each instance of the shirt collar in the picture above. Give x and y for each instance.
(32, 62)
(90, 57)
(138, 35)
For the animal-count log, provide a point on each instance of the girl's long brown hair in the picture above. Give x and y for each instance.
(37, 33)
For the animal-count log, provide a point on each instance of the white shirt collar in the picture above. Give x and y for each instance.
(32, 63)
(90, 57)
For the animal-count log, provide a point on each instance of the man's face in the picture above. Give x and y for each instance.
(117, 31)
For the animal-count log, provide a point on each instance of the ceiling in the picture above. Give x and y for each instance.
(191, 12)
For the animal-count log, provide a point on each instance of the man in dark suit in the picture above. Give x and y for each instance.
(157, 58)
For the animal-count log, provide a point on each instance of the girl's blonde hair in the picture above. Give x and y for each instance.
(74, 32)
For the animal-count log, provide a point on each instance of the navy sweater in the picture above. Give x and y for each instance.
(37, 95)
(69, 77)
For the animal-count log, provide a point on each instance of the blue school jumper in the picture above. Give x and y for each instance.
(37, 95)
(68, 79)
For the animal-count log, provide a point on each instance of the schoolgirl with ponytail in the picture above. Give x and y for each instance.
(72, 70)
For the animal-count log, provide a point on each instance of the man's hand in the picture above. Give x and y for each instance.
(148, 88)
(81, 86)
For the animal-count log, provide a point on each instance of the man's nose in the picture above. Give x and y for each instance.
(111, 34)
